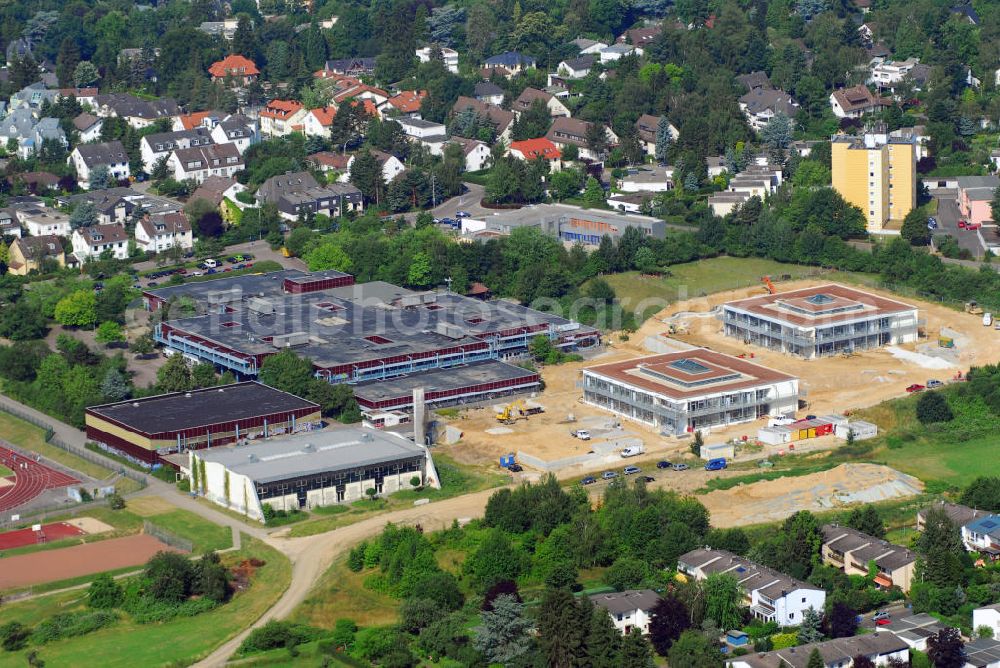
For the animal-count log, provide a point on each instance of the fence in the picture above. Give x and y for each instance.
(164, 536)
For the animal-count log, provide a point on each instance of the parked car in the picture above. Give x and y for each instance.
(589, 480)
(916, 387)
(973, 226)
(880, 615)
(463, 214)
(152, 284)
(663, 465)
(716, 464)
(962, 224)
(932, 222)
(247, 257)
(630, 470)
(932, 384)
(649, 478)
(680, 467)
(231, 259)
(515, 468)
(608, 475)
(197, 273)
(582, 434)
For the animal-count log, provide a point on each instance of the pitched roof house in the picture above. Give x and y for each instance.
(511, 61)
(501, 119)
(317, 122)
(534, 149)
(162, 232)
(91, 242)
(199, 162)
(855, 102)
(298, 193)
(571, 131)
(89, 127)
(531, 95)
(234, 66)
(576, 68)
(281, 117)
(86, 157)
(408, 102)
(647, 127)
(26, 254)
(760, 105)
(488, 92)
(630, 610)
(161, 144)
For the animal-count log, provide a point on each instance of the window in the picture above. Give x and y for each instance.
(791, 615)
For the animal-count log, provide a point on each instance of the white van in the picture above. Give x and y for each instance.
(582, 434)
(987, 319)
(210, 264)
(633, 451)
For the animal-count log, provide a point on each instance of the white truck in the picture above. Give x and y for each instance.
(987, 319)
(581, 434)
(633, 450)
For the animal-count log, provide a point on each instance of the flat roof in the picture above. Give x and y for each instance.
(822, 304)
(178, 411)
(536, 214)
(312, 453)
(436, 380)
(270, 284)
(363, 322)
(687, 373)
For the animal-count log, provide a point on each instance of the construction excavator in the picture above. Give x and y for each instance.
(766, 280)
(517, 410)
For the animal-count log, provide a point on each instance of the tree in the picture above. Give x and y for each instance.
(503, 637)
(914, 228)
(668, 619)
(933, 407)
(494, 560)
(175, 375)
(114, 386)
(664, 139)
(626, 573)
(142, 345)
(995, 205)
(419, 275)
(288, 372)
(104, 593)
(810, 630)
(203, 375)
(842, 621)
(723, 598)
(77, 309)
(14, 636)
(593, 194)
(100, 178)
(596, 138)
(418, 613)
(982, 493)
(169, 577)
(501, 588)
(694, 650)
(366, 175)
(945, 649)
(815, 660)
(211, 578)
(603, 641)
(560, 633)
(109, 332)
(778, 132)
(636, 652)
(84, 215)
(941, 544)
(697, 442)
(867, 520)
(85, 74)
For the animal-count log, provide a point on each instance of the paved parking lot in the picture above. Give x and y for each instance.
(948, 216)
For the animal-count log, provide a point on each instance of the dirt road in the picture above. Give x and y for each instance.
(313, 555)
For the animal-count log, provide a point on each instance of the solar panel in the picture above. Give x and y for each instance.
(690, 366)
(820, 299)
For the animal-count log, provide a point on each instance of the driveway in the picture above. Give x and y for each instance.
(948, 216)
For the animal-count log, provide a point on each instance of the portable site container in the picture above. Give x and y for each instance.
(718, 451)
(774, 435)
(862, 430)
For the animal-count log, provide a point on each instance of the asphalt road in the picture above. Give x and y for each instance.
(948, 216)
(261, 251)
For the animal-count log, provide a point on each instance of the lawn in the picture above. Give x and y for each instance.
(341, 593)
(28, 436)
(933, 460)
(178, 642)
(5, 472)
(696, 279)
(205, 535)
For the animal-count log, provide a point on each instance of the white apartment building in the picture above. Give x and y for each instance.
(630, 610)
(87, 157)
(89, 243)
(39, 221)
(163, 232)
(199, 162)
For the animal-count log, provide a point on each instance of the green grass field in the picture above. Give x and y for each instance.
(341, 593)
(696, 279)
(178, 642)
(5, 472)
(28, 436)
(205, 535)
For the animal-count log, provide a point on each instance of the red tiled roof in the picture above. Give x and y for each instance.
(408, 101)
(193, 120)
(369, 106)
(281, 109)
(330, 159)
(235, 65)
(324, 115)
(537, 148)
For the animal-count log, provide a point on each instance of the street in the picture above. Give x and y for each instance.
(467, 201)
(948, 216)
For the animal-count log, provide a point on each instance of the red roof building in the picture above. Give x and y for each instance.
(409, 101)
(530, 149)
(235, 66)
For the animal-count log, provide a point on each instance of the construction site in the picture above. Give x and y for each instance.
(832, 385)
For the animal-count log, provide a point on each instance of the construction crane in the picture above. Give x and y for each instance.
(766, 280)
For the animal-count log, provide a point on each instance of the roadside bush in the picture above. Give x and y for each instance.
(277, 634)
(356, 557)
(116, 502)
(72, 624)
(145, 610)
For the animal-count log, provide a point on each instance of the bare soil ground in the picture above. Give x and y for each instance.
(90, 525)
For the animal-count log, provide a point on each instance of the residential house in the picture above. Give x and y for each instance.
(39, 181)
(716, 165)
(118, 205)
(760, 105)
(655, 180)
(490, 93)
(588, 46)
(616, 52)
(27, 254)
(854, 552)
(281, 117)
(139, 113)
(770, 595)
(163, 232)
(755, 80)
(630, 610)
(159, 146)
(328, 161)
(349, 90)
(988, 616)
(915, 630)
(89, 127)
(216, 189)
(341, 164)
(957, 514)
(641, 36)
(630, 202)
(855, 102)
(571, 131)
(406, 103)
(317, 122)
(448, 55)
(724, 203)
(89, 243)
(197, 119)
(500, 119)
(21, 126)
(647, 127)
(577, 68)
(982, 653)
(885, 73)
(530, 95)
(390, 164)
(538, 149)
(235, 68)
(881, 648)
(45, 130)
(299, 193)
(477, 153)
(983, 535)
(354, 67)
(225, 29)
(86, 157)
(199, 162)
(966, 12)
(237, 130)
(84, 96)
(9, 225)
(420, 129)
(975, 194)
(32, 96)
(40, 221)
(510, 61)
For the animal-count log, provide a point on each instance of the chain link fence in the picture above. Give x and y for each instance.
(164, 536)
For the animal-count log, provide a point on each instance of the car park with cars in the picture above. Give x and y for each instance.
(631, 470)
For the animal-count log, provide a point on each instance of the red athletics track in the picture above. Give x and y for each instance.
(49, 533)
(30, 479)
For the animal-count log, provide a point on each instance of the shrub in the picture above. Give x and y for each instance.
(344, 632)
(115, 501)
(932, 407)
(356, 557)
(14, 636)
(72, 624)
(104, 593)
(169, 577)
(419, 613)
(277, 634)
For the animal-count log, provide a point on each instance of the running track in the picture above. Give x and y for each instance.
(30, 481)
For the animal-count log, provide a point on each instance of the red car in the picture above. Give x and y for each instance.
(962, 224)
(973, 226)
(916, 387)
(885, 621)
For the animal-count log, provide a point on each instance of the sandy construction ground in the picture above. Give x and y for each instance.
(832, 385)
(774, 500)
